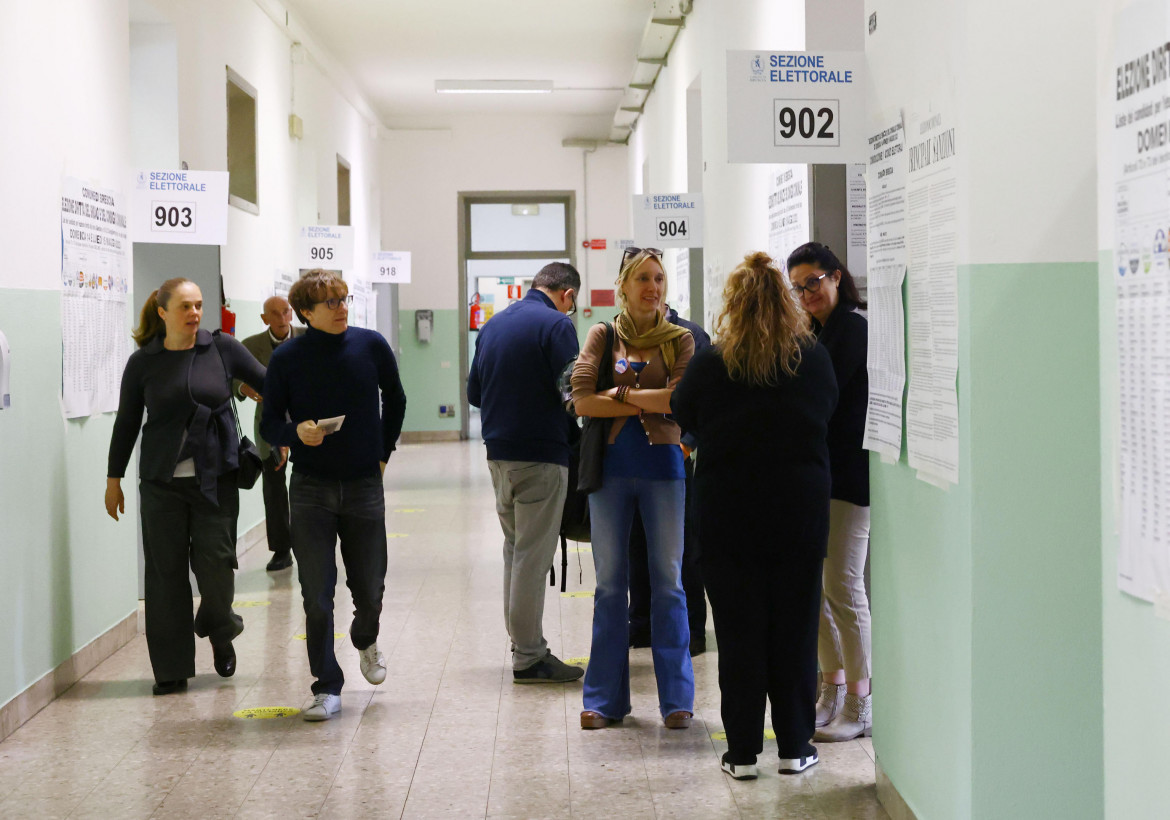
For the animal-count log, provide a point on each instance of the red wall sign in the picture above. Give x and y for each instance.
(594, 244)
(601, 298)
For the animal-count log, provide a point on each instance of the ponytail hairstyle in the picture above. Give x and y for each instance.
(823, 259)
(761, 331)
(150, 324)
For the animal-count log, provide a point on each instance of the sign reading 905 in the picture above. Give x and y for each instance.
(806, 123)
(172, 217)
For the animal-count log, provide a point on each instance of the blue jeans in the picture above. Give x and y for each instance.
(611, 511)
(323, 511)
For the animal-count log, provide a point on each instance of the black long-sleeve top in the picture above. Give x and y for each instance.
(321, 375)
(762, 476)
(186, 395)
(846, 336)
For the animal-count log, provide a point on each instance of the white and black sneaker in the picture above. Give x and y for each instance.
(796, 765)
(324, 707)
(373, 664)
(739, 771)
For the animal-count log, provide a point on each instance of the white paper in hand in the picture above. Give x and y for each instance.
(331, 425)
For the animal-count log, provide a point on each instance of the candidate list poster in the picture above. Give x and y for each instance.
(95, 281)
(1141, 198)
(788, 211)
(932, 402)
(886, 263)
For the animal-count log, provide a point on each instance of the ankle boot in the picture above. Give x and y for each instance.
(855, 720)
(829, 703)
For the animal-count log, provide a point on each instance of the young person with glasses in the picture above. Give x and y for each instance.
(335, 371)
(643, 470)
(827, 291)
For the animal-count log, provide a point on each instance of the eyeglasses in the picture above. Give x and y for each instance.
(811, 286)
(573, 309)
(632, 251)
(335, 303)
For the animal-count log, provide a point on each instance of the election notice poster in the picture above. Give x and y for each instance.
(886, 249)
(932, 402)
(1140, 168)
(788, 211)
(95, 283)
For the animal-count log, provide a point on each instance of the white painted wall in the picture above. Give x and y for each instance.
(425, 170)
(298, 182)
(735, 195)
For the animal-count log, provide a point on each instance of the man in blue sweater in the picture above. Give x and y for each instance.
(334, 396)
(513, 380)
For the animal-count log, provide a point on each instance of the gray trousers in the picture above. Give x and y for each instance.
(530, 497)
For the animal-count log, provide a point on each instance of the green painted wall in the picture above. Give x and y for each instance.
(1137, 645)
(69, 571)
(987, 642)
(430, 372)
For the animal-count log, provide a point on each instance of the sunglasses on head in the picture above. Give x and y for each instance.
(632, 251)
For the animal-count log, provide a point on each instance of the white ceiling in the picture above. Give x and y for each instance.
(396, 49)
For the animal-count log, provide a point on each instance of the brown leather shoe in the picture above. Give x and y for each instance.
(678, 720)
(594, 720)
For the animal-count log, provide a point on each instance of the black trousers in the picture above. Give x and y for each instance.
(766, 610)
(324, 511)
(180, 529)
(692, 573)
(276, 513)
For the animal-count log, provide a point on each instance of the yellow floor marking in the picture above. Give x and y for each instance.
(246, 604)
(581, 594)
(265, 712)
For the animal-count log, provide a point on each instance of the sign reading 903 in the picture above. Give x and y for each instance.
(799, 123)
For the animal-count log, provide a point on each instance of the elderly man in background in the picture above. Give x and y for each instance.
(277, 315)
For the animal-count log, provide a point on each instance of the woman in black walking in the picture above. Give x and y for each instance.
(181, 377)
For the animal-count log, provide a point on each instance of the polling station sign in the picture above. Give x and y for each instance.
(796, 107)
(668, 220)
(179, 207)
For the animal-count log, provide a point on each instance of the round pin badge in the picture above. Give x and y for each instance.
(621, 366)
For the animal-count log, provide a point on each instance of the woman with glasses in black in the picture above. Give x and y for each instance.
(643, 471)
(827, 291)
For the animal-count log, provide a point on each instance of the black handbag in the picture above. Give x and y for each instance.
(250, 465)
(595, 431)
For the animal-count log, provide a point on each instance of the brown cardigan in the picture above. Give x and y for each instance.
(659, 429)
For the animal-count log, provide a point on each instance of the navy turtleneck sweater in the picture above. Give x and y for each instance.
(320, 375)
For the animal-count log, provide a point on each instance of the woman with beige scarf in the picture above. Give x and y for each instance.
(643, 470)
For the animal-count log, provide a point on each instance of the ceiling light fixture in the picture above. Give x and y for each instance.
(493, 86)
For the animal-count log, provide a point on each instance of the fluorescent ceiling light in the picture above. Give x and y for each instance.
(493, 86)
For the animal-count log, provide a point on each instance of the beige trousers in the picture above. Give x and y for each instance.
(844, 638)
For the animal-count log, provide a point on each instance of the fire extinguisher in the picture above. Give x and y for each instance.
(227, 320)
(476, 313)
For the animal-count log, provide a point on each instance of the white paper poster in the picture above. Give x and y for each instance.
(359, 308)
(795, 106)
(886, 250)
(1141, 195)
(283, 281)
(95, 282)
(326, 246)
(932, 402)
(180, 207)
(668, 220)
(391, 268)
(679, 294)
(855, 205)
(788, 212)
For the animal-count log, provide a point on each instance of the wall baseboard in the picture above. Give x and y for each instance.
(428, 436)
(894, 804)
(253, 536)
(40, 694)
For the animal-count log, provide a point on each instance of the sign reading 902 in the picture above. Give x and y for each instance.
(806, 123)
(172, 217)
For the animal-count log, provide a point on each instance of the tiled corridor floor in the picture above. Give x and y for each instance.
(447, 734)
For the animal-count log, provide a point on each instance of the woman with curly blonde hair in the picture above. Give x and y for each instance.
(759, 402)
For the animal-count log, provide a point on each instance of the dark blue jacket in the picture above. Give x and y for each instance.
(513, 380)
(321, 375)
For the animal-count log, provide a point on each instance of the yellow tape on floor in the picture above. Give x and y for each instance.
(246, 604)
(581, 594)
(266, 712)
(577, 661)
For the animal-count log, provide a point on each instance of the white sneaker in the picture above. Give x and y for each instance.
(324, 707)
(796, 765)
(373, 664)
